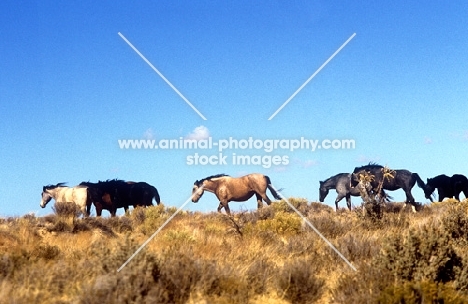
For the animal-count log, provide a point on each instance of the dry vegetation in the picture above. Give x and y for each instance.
(268, 256)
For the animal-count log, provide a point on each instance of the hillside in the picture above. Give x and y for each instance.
(269, 256)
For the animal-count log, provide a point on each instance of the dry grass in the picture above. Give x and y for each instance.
(268, 256)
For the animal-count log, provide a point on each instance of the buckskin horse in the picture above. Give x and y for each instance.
(342, 184)
(227, 189)
(401, 179)
(447, 186)
(61, 194)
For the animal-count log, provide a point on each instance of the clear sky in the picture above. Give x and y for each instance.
(71, 87)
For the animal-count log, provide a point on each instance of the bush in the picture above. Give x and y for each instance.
(298, 283)
(281, 223)
(455, 222)
(426, 254)
(66, 209)
(422, 292)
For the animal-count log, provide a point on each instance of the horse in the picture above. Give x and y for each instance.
(134, 194)
(227, 188)
(447, 187)
(100, 196)
(459, 184)
(114, 194)
(402, 179)
(342, 184)
(61, 194)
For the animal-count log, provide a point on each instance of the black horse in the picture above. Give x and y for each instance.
(402, 179)
(342, 184)
(447, 187)
(113, 194)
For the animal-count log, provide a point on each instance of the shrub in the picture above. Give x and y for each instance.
(423, 254)
(298, 283)
(455, 222)
(422, 292)
(282, 223)
(46, 252)
(66, 209)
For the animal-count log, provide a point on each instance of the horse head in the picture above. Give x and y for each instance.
(45, 197)
(323, 192)
(197, 191)
(429, 189)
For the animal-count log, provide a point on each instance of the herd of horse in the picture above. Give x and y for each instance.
(347, 184)
(113, 194)
(109, 195)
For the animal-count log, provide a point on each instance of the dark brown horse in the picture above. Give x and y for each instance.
(113, 194)
(240, 189)
(447, 186)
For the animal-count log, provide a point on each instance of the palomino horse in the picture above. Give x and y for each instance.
(342, 184)
(239, 189)
(77, 195)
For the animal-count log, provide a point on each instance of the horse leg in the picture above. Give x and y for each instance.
(442, 194)
(338, 199)
(410, 200)
(348, 201)
(113, 211)
(226, 207)
(264, 197)
(88, 207)
(259, 201)
(98, 207)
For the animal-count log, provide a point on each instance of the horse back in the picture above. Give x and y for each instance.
(64, 195)
(238, 189)
(80, 194)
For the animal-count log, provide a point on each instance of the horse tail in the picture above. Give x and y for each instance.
(386, 197)
(275, 193)
(420, 182)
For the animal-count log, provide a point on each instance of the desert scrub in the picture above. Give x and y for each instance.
(299, 203)
(455, 221)
(66, 209)
(154, 217)
(420, 255)
(422, 292)
(297, 281)
(281, 223)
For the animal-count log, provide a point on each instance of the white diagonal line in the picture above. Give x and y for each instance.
(313, 75)
(155, 233)
(162, 76)
(315, 229)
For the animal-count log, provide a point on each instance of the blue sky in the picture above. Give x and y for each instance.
(70, 88)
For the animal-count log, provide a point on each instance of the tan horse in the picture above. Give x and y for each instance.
(239, 189)
(77, 195)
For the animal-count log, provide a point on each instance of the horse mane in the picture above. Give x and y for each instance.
(50, 187)
(370, 165)
(198, 182)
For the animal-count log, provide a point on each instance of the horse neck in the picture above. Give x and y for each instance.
(329, 183)
(56, 192)
(210, 185)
